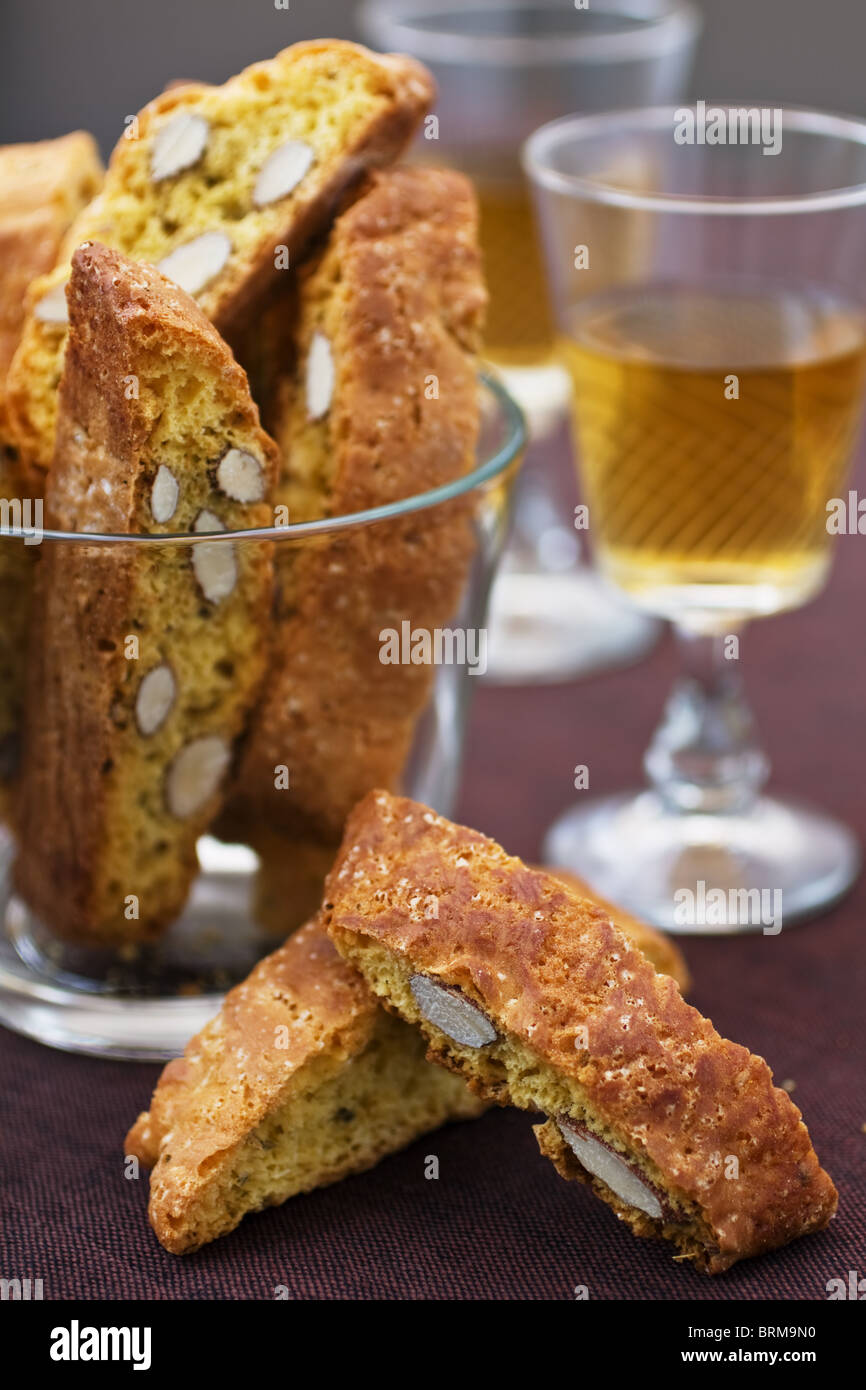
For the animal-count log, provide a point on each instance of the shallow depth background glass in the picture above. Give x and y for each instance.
(503, 67)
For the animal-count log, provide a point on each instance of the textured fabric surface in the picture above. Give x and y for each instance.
(498, 1222)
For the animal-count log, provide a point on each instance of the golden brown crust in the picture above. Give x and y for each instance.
(544, 964)
(409, 89)
(398, 294)
(60, 174)
(117, 309)
(42, 187)
(148, 222)
(87, 773)
(233, 1074)
(300, 1080)
(658, 948)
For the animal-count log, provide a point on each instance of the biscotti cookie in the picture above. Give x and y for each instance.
(533, 996)
(146, 658)
(660, 949)
(300, 1080)
(394, 304)
(290, 880)
(43, 186)
(292, 875)
(222, 187)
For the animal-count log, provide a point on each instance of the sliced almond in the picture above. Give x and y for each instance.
(52, 307)
(612, 1169)
(164, 495)
(195, 774)
(155, 698)
(194, 264)
(214, 563)
(240, 476)
(178, 145)
(320, 377)
(451, 1012)
(282, 171)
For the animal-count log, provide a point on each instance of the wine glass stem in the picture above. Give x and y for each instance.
(705, 755)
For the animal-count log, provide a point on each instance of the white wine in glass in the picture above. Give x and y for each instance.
(714, 421)
(715, 336)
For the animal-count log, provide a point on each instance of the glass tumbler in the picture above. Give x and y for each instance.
(144, 1001)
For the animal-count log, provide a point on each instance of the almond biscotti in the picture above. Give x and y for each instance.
(660, 949)
(532, 995)
(43, 186)
(222, 188)
(384, 405)
(300, 1080)
(146, 658)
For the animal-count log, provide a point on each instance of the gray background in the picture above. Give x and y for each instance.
(88, 63)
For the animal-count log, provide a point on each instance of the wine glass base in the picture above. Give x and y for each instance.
(695, 875)
(557, 627)
(144, 1005)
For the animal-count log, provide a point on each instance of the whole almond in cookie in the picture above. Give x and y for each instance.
(129, 745)
(217, 180)
(450, 1011)
(646, 1103)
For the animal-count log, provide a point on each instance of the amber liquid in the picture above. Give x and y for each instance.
(520, 331)
(713, 425)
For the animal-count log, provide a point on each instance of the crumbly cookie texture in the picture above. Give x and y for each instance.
(682, 1132)
(42, 187)
(660, 949)
(222, 187)
(383, 404)
(300, 1080)
(145, 659)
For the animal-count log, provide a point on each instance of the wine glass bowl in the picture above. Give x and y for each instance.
(713, 324)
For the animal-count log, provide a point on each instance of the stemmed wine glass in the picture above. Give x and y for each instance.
(714, 329)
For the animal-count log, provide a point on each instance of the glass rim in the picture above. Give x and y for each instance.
(483, 473)
(798, 119)
(389, 22)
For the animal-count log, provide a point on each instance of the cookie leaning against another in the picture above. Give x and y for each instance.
(42, 187)
(300, 1080)
(394, 302)
(222, 187)
(533, 996)
(126, 748)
